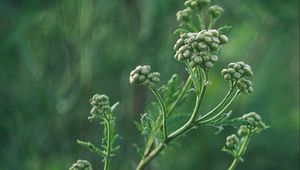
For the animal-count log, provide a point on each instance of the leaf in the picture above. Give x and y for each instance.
(225, 29)
(180, 30)
(113, 107)
(224, 149)
(91, 147)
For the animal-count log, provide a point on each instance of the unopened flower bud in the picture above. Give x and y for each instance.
(243, 130)
(142, 75)
(81, 165)
(223, 39)
(215, 11)
(232, 140)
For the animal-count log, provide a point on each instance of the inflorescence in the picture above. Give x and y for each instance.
(100, 105)
(142, 75)
(81, 165)
(237, 73)
(236, 144)
(199, 49)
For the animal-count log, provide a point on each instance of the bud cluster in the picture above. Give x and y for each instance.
(255, 120)
(236, 72)
(243, 130)
(184, 15)
(100, 104)
(142, 75)
(197, 48)
(245, 86)
(232, 140)
(215, 11)
(197, 4)
(81, 165)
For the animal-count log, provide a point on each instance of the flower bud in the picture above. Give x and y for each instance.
(215, 11)
(243, 130)
(244, 86)
(100, 104)
(81, 165)
(237, 71)
(254, 120)
(232, 140)
(184, 15)
(223, 39)
(142, 75)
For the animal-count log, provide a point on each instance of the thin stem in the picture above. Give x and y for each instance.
(189, 124)
(224, 100)
(241, 152)
(212, 22)
(180, 96)
(201, 20)
(218, 114)
(108, 146)
(186, 127)
(193, 77)
(218, 106)
(146, 160)
(164, 111)
(190, 25)
(233, 164)
(150, 142)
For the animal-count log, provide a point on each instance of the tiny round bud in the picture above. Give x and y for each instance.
(223, 39)
(214, 58)
(214, 46)
(215, 33)
(208, 40)
(209, 64)
(227, 76)
(215, 11)
(243, 130)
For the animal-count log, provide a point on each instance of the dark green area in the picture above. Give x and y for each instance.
(54, 55)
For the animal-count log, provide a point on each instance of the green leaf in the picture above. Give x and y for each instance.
(113, 107)
(225, 29)
(91, 147)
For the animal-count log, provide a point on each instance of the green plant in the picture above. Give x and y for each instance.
(198, 48)
(102, 112)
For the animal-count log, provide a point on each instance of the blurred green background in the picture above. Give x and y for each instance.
(54, 55)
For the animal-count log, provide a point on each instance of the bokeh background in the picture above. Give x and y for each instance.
(54, 55)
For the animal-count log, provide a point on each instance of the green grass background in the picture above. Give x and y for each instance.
(54, 55)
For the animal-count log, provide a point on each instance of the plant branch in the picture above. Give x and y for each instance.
(220, 112)
(164, 111)
(241, 152)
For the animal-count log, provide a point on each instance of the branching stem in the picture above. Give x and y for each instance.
(164, 111)
(241, 152)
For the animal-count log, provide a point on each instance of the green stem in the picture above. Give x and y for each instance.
(218, 114)
(201, 20)
(189, 124)
(218, 106)
(150, 142)
(191, 26)
(241, 152)
(233, 164)
(212, 22)
(180, 96)
(146, 160)
(186, 127)
(164, 111)
(193, 77)
(108, 146)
